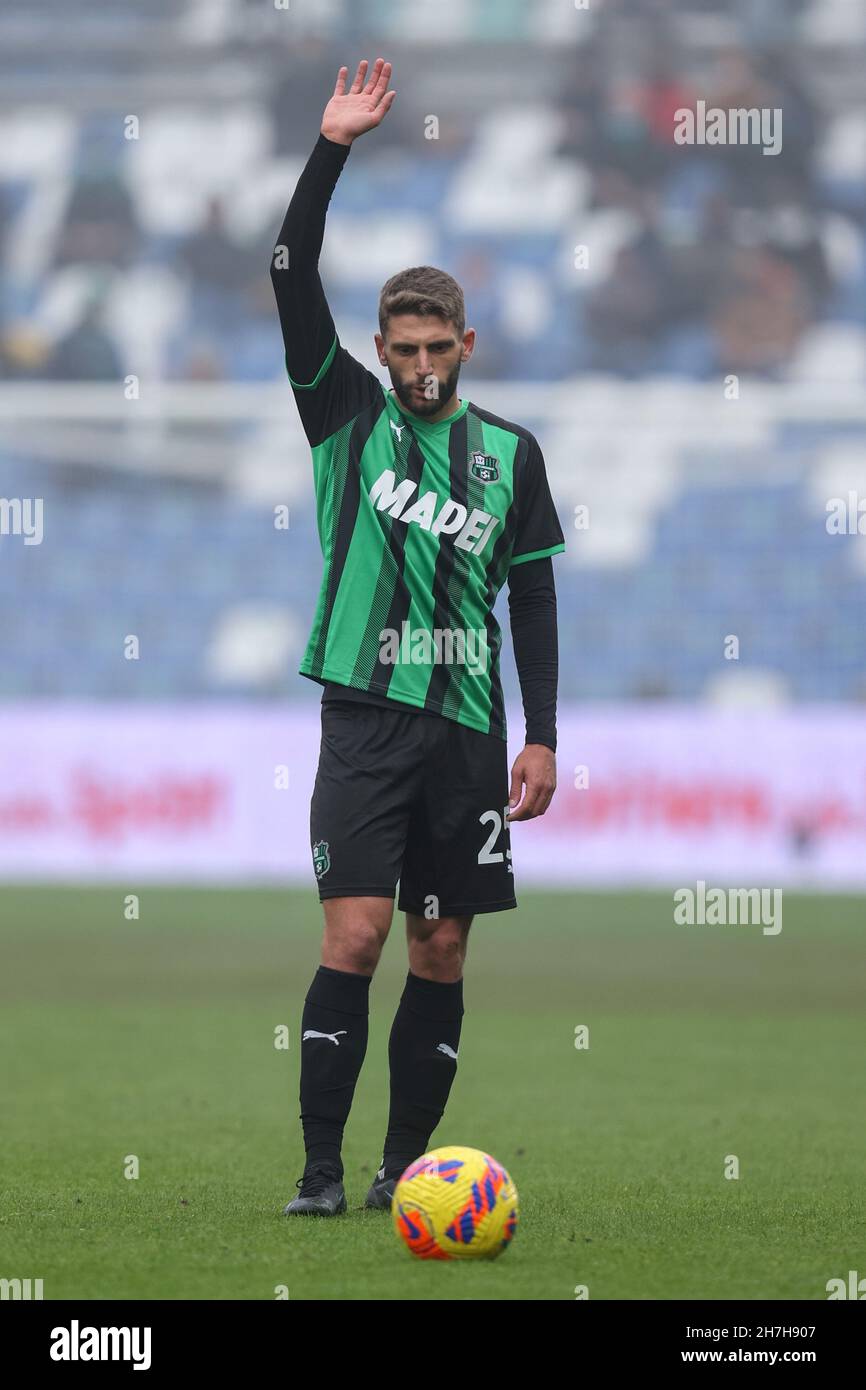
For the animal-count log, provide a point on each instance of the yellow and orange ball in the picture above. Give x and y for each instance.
(455, 1204)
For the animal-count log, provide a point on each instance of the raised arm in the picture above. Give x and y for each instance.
(305, 319)
(307, 326)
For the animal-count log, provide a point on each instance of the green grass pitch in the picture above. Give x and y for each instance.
(155, 1038)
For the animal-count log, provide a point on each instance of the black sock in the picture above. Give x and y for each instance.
(422, 1053)
(337, 1005)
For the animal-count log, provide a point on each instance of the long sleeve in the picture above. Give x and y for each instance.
(532, 612)
(330, 385)
(305, 319)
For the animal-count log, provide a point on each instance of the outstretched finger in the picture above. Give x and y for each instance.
(359, 77)
(381, 86)
(379, 112)
(374, 77)
(340, 86)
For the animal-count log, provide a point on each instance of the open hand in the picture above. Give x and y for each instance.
(362, 108)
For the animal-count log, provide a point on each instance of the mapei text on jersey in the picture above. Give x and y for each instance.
(475, 528)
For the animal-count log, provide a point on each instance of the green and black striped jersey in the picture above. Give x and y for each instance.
(419, 524)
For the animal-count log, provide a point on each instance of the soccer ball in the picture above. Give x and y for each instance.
(455, 1204)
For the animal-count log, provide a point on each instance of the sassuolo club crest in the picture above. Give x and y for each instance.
(321, 857)
(484, 467)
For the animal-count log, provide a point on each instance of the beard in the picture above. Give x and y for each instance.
(404, 392)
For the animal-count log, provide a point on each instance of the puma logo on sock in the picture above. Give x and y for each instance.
(311, 1033)
(449, 1052)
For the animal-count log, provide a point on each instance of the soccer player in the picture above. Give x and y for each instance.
(426, 504)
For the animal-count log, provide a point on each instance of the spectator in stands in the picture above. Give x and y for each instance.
(758, 321)
(99, 226)
(211, 256)
(87, 353)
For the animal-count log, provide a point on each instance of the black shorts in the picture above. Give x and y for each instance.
(422, 799)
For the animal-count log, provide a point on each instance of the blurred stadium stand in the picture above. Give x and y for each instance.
(148, 256)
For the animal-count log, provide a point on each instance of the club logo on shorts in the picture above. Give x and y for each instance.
(321, 858)
(484, 467)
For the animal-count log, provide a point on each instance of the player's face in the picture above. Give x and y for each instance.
(423, 356)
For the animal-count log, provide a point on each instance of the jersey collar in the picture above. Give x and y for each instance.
(418, 423)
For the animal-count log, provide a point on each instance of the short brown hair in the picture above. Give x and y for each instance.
(423, 290)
